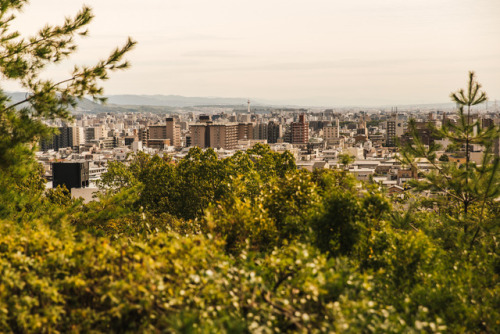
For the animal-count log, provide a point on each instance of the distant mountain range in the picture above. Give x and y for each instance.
(134, 103)
(174, 100)
(184, 101)
(84, 104)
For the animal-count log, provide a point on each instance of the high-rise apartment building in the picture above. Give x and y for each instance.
(223, 136)
(143, 134)
(198, 135)
(78, 136)
(216, 135)
(68, 136)
(245, 131)
(273, 132)
(260, 131)
(157, 132)
(395, 129)
(300, 131)
(170, 131)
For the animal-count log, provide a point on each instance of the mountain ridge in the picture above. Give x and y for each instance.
(179, 101)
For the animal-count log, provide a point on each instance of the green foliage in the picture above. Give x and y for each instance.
(202, 180)
(24, 60)
(444, 158)
(243, 225)
(346, 160)
(269, 163)
(53, 281)
(118, 176)
(59, 196)
(336, 229)
(186, 188)
(292, 201)
(279, 213)
(470, 188)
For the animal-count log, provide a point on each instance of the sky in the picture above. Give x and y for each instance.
(315, 52)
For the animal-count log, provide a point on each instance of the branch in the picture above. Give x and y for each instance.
(17, 103)
(289, 314)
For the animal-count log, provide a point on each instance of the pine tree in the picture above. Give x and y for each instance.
(23, 60)
(469, 185)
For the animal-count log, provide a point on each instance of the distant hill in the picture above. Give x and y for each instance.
(184, 101)
(173, 100)
(83, 105)
(166, 103)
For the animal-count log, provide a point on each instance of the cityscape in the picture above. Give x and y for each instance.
(249, 167)
(317, 138)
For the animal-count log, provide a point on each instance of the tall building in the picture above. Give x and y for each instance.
(95, 133)
(260, 131)
(157, 132)
(216, 135)
(78, 136)
(273, 132)
(173, 132)
(395, 129)
(245, 131)
(144, 135)
(300, 131)
(198, 135)
(287, 134)
(223, 136)
(68, 136)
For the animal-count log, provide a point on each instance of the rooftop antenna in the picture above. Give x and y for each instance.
(248, 102)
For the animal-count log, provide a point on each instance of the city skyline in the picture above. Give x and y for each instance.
(322, 53)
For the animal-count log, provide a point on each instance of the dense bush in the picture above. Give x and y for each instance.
(303, 252)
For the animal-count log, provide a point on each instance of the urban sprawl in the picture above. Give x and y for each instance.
(318, 139)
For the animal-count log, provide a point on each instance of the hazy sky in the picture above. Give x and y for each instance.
(318, 51)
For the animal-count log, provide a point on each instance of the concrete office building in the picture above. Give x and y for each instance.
(260, 131)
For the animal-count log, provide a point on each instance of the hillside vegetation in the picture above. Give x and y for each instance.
(248, 243)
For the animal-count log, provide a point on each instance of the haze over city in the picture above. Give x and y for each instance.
(295, 52)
